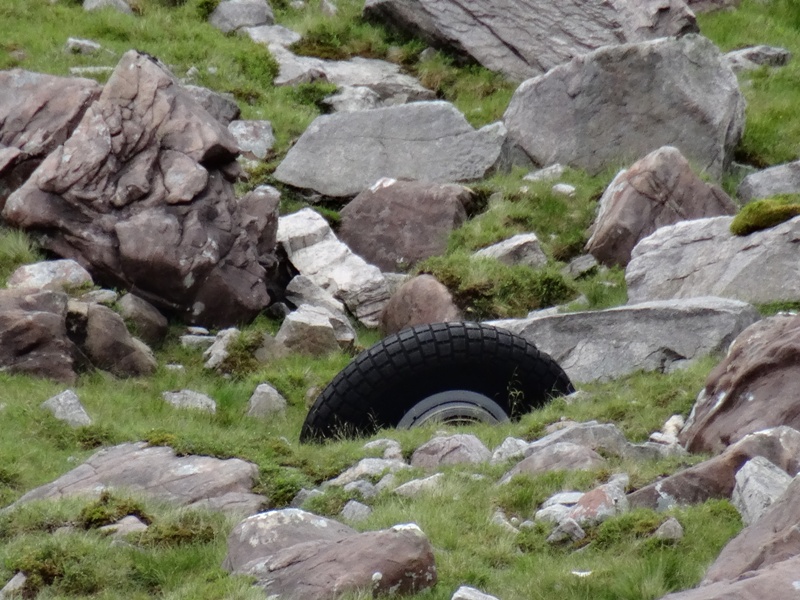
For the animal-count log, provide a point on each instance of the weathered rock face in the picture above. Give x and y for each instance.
(701, 6)
(419, 301)
(149, 324)
(703, 258)
(521, 249)
(619, 103)
(50, 275)
(231, 15)
(33, 335)
(140, 194)
(524, 38)
(31, 129)
(314, 250)
(652, 336)
(752, 389)
(782, 179)
(754, 57)
(158, 473)
(343, 154)
(716, 477)
(394, 224)
(658, 190)
(455, 449)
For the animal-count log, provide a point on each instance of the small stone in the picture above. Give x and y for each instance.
(511, 448)
(105, 297)
(79, 46)
(365, 488)
(391, 449)
(124, 526)
(266, 401)
(499, 518)
(67, 407)
(368, 468)
(14, 586)
(568, 529)
(670, 529)
(564, 189)
(201, 342)
(563, 498)
(354, 511)
(547, 174)
(217, 352)
(303, 496)
(190, 399)
(416, 487)
(470, 593)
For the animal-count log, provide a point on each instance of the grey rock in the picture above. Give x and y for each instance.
(758, 484)
(552, 514)
(522, 249)
(119, 5)
(390, 448)
(567, 530)
(559, 456)
(460, 448)
(255, 138)
(352, 99)
(201, 342)
(155, 472)
(106, 297)
(510, 448)
(470, 593)
(328, 8)
(80, 46)
(354, 511)
(216, 354)
(56, 275)
(222, 107)
(230, 15)
(90, 71)
(581, 266)
(749, 59)
(124, 526)
(343, 154)
(524, 38)
(781, 179)
(606, 438)
(563, 498)
(148, 323)
(500, 519)
(267, 35)
(703, 258)
(364, 488)
(266, 401)
(550, 173)
(418, 487)
(310, 330)
(601, 503)
(302, 496)
(652, 336)
(67, 407)
(14, 586)
(315, 252)
(191, 400)
(368, 468)
(302, 290)
(671, 529)
(620, 102)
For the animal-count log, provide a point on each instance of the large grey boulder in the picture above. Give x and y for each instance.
(314, 250)
(395, 224)
(618, 103)
(782, 179)
(651, 336)
(158, 473)
(142, 195)
(343, 154)
(524, 38)
(703, 258)
(31, 129)
(658, 190)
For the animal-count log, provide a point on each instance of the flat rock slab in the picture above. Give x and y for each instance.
(781, 179)
(751, 389)
(703, 258)
(524, 38)
(158, 473)
(651, 336)
(618, 103)
(343, 154)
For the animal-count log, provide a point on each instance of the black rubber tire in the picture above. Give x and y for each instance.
(384, 382)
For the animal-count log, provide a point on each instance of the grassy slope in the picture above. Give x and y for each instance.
(35, 449)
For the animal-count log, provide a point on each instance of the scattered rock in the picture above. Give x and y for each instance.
(302, 496)
(302, 291)
(371, 468)
(564, 189)
(620, 102)
(222, 107)
(703, 258)
(67, 407)
(420, 300)
(550, 173)
(352, 99)
(149, 324)
(267, 35)
(511, 448)
(154, 472)
(758, 484)
(671, 529)
(14, 587)
(418, 487)
(601, 503)
(559, 456)
(781, 179)
(80, 46)
(750, 390)
(216, 354)
(255, 138)
(124, 526)
(200, 342)
(580, 266)
(391, 449)
(457, 449)
(59, 275)
(658, 190)
(231, 15)
(310, 330)
(567, 530)
(364, 488)
(651, 336)
(354, 511)
(749, 59)
(470, 593)
(522, 249)
(525, 38)
(190, 399)
(395, 224)
(265, 402)
(343, 154)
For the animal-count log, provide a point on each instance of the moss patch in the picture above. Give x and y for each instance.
(763, 214)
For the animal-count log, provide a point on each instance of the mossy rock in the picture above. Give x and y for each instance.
(766, 213)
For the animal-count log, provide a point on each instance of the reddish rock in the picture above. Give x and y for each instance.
(395, 224)
(754, 388)
(419, 301)
(716, 477)
(660, 189)
(142, 195)
(37, 113)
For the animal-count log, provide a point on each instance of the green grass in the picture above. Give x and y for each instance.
(766, 213)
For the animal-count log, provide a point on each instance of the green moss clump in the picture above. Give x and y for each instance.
(109, 509)
(766, 213)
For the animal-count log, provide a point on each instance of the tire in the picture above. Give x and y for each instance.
(484, 372)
